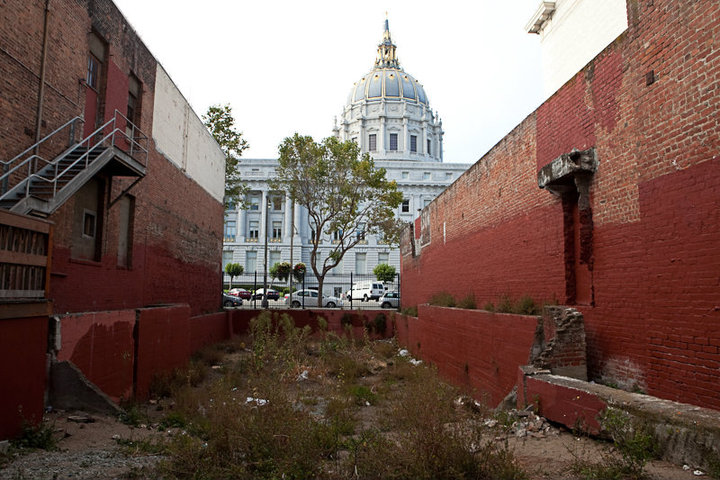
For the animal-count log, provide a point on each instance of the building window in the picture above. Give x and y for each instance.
(133, 107)
(428, 147)
(448, 175)
(253, 229)
(337, 236)
(426, 175)
(255, 202)
(274, 258)
(426, 202)
(277, 203)
(276, 230)
(93, 72)
(361, 232)
(230, 230)
(383, 257)
(361, 263)
(251, 261)
(413, 143)
(372, 142)
(393, 142)
(126, 220)
(405, 175)
(405, 208)
(89, 223)
(226, 258)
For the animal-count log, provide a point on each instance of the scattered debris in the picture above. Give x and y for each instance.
(257, 401)
(303, 376)
(81, 419)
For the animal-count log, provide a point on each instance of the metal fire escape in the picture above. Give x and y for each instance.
(33, 185)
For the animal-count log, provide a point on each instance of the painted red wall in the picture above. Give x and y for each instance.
(23, 347)
(474, 349)
(654, 323)
(101, 345)
(163, 343)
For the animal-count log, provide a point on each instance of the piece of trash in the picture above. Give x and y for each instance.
(367, 404)
(415, 362)
(698, 473)
(80, 419)
(302, 376)
(403, 353)
(686, 467)
(491, 423)
(258, 401)
(116, 437)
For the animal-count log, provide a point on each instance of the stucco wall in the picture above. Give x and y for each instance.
(181, 136)
(575, 34)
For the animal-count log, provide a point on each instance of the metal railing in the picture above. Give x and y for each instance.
(95, 142)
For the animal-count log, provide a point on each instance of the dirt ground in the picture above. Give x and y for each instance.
(92, 447)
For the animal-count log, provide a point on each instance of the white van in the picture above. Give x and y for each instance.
(367, 290)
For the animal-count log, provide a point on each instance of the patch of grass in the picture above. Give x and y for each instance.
(362, 395)
(133, 448)
(490, 307)
(526, 306)
(410, 311)
(36, 437)
(442, 299)
(633, 446)
(132, 414)
(173, 420)
(468, 302)
(505, 304)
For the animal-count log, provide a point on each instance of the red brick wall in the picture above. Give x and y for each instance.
(177, 241)
(655, 203)
(23, 344)
(471, 348)
(101, 345)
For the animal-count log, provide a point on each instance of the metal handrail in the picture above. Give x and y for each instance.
(33, 146)
(133, 139)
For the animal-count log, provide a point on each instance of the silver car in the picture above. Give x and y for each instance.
(309, 297)
(390, 300)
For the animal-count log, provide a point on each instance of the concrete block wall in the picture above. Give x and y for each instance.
(648, 106)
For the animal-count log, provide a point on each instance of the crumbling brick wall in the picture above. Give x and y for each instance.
(647, 106)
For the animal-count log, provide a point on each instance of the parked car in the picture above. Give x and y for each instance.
(240, 292)
(271, 294)
(310, 299)
(231, 300)
(390, 300)
(366, 290)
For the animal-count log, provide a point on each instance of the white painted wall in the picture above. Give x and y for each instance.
(181, 137)
(577, 31)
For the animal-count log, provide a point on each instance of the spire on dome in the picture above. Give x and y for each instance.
(386, 57)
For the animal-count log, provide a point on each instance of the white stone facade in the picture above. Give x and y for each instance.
(573, 32)
(389, 116)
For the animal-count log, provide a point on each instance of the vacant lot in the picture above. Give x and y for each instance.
(285, 404)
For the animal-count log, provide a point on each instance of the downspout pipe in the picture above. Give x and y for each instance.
(43, 65)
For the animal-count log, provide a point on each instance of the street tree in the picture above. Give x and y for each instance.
(384, 273)
(345, 196)
(221, 124)
(234, 270)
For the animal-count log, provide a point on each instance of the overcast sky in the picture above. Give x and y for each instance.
(288, 66)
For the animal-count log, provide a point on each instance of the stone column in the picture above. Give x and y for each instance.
(287, 220)
(242, 225)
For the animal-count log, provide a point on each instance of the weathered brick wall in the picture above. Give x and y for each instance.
(177, 237)
(648, 106)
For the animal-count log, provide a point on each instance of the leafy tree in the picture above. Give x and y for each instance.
(384, 273)
(220, 122)
(234, 270)
(345, 196)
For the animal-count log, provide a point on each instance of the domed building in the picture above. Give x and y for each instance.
(388, 114)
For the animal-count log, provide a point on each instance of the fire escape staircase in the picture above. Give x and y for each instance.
(32, 185)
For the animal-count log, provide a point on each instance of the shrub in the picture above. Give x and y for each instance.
(526, 306)
(442, 299)
(490, 307)
(505, 305)
(410, 311)
(468, 302)
(38, 436)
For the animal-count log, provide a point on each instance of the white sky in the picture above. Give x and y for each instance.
(288, 66)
